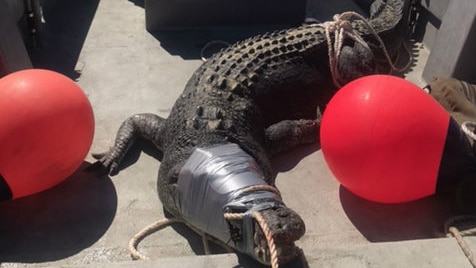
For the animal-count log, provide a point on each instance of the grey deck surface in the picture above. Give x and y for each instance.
(88, 221)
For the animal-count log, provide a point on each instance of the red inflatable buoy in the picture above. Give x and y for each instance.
(46, 130)
(388, 141)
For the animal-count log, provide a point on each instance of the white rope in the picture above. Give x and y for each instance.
(137, 238)
(452, 230)
(161, 224)
(465, 126)
(341, 27)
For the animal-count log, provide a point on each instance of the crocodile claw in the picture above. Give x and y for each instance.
(105, 164)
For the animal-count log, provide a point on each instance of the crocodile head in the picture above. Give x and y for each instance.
(221, 191)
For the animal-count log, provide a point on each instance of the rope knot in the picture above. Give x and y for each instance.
(340, 21)
(342, 28)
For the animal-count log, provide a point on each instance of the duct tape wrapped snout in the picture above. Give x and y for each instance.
(212, 182)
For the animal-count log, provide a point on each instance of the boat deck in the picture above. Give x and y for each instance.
(88, 221)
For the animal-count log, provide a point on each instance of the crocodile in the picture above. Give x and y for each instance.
(264, 95)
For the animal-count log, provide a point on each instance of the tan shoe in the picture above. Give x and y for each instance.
(459, 99)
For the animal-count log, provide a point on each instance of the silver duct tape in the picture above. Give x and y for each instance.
(210, 184)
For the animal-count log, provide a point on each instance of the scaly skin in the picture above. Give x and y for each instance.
(262, 94)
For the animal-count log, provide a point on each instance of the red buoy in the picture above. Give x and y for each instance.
(46, 130)
(388, 141)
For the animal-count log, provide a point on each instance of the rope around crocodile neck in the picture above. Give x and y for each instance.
(342, 28)
(156, 226)
(458, 235)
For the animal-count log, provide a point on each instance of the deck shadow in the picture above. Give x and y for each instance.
(59, 222)
(190, 43)
(420, 219)
(288, 160)
(61, 37)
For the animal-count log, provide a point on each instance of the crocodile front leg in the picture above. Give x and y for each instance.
(147, 126)
(287, 134)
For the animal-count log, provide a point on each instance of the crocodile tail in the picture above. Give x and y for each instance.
(377, 7)
(391, 20)
(379, 10)
(384, 15)
(402, 22)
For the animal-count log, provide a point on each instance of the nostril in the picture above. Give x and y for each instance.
(5, 192)
(297, 225)
(283, 213)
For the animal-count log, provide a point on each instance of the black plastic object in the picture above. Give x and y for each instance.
(5, 192)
